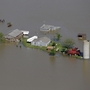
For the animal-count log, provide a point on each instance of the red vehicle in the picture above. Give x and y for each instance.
(74, 51)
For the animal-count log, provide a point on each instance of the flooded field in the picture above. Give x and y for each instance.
(31, 69)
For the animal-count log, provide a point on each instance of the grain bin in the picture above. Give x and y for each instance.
(86, 49)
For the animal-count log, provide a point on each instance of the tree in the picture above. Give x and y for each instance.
(53, 44)
(52, 52)
(58, 36)
(68, 43)
(2, 39)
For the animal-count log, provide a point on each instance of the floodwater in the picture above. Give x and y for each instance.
(30, 69)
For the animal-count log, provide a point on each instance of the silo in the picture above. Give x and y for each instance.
(86, 49)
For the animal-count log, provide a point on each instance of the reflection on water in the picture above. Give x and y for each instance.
(52, 59)
(86, 68)
(86, 73)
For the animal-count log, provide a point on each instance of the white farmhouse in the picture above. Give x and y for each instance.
(43, 41)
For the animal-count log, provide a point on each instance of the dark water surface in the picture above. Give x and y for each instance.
(30, 69)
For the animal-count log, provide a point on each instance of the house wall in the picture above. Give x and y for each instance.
(35, 43)
(10, 39)
(14, 39)
(19, 36)
(43, 44)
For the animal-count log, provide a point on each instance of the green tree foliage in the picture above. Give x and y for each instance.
(68, 43)
(52, 52)
(2, 39)
(53, 44)
(58, 36)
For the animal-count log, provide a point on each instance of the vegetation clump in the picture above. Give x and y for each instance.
(52, 52)
(68, 43)
(58, 36)
(2, 38)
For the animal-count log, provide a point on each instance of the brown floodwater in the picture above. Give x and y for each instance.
(31, 69)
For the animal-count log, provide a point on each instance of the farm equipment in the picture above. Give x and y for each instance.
(73, 51)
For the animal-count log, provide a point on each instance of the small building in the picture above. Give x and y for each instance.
(50, 47)
(32, 38)
(14, 36)
(25, 34)
(81, 36)
(49, 28)
(43, 41)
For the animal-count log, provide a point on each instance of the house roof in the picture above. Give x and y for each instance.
(15, 33)
(45, 39)
(49, 27)
(42, 39)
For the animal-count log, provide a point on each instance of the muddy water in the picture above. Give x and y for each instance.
(25, 69)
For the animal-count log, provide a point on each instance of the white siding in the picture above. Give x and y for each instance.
(86, 49)
(25, 32)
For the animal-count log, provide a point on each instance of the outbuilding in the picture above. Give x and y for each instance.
(81, 36)
(32, 38)
(14, 36)
(25, 34)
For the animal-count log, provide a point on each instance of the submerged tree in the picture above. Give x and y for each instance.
(2, 39)
(58, 36)
(68, 43)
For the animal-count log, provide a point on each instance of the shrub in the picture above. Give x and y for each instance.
(58, 36)
(2, 39)
(52, 52)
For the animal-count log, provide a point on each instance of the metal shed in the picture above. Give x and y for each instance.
(14, 35)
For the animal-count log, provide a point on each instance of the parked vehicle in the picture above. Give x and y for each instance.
(64, 51)
(74, 51)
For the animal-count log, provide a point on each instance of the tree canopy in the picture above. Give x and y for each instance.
(2, 39)
(52, 52)
(58, 36)
(68, 43)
